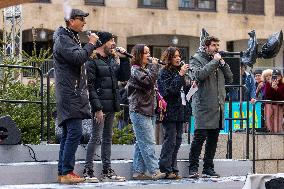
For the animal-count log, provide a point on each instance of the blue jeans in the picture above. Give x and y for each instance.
(70, 139)
(101, 134)
(171, 145)
(144, 152)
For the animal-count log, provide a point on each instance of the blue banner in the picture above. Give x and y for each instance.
(236, 114)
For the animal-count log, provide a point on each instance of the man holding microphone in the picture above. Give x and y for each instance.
(71, 90)
(211, 73)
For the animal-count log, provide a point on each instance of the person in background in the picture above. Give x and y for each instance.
(123, 118)
(171, 81)
(211, 73)
(258, 84)
(104, 70)
(141, 96)
(274, 90)
(249, 92)
(71, 90)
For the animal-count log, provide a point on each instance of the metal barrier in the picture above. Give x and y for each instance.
(48, 113)
(230, 133)
(41, 102)
(253, 128)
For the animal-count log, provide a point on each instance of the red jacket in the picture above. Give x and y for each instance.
(272, 94)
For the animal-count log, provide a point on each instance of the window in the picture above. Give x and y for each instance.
(246, 6)
(95, 2)
(152, 3)
(279, 7)
(198, 4)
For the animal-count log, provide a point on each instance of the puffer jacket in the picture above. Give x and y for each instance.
(103, 74)
(140, 89)
(70, 75)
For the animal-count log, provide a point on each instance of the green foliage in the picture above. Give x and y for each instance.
(26, 115)
(123, 136)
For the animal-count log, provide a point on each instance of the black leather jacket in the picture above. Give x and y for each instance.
(140, 89)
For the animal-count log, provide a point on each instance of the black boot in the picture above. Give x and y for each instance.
(209, 173)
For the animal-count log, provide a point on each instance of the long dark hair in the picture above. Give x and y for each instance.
(167, 57)
(137, 52)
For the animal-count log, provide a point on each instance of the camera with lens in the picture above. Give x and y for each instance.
(274, 77)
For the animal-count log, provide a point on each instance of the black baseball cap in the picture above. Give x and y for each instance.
(76, 13)
(276, 72)
(257, 72)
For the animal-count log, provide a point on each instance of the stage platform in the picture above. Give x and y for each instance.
(18, 167)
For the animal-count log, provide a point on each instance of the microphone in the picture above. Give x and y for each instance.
(183, 63)
(158, 60)
(124, 53)
(98, 43)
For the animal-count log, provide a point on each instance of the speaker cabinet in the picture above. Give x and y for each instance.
(234, 64)
(9, 132)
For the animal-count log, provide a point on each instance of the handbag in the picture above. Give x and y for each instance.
(161, 105)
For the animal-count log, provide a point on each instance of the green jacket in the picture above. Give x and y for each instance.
(208, 101)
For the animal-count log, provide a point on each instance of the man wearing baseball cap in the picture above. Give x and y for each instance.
(71, 90)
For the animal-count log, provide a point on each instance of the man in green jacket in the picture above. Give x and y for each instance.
(211, 73)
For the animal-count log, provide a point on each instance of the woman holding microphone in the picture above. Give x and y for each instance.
(141, 95)
(171, 85)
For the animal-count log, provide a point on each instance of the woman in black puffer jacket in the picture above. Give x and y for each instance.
(171, 81)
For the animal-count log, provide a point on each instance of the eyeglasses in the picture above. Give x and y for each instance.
(80, 18)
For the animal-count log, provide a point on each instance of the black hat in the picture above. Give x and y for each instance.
(257, 72)
(276, 72)
(76, 13)
(104, 36)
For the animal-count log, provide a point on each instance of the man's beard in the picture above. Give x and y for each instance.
(107, 51)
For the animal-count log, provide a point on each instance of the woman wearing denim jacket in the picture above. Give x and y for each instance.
(171, 83)
(140, 89)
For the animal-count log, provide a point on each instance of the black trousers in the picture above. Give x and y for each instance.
(172, 141)
(200, 135)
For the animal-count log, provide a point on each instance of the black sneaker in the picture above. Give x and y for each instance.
(209, 173)
(89, 176)
(110, 176)
(193, 174)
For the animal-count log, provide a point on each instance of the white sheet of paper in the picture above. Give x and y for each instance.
(191, 91)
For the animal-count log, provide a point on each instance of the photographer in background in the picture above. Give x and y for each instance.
(274, 90)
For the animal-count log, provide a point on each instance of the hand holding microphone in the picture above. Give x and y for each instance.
(156, 60)
(184, 69)
(93, 39)
(123, 51)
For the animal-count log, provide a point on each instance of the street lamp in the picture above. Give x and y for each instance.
(175, 40)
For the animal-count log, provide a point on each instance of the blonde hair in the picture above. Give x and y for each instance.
(265, 73)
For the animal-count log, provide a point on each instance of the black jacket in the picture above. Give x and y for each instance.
(103, 75)
(70, 76)
(169, 85)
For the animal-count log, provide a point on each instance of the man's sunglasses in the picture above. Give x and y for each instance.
(80, 18)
